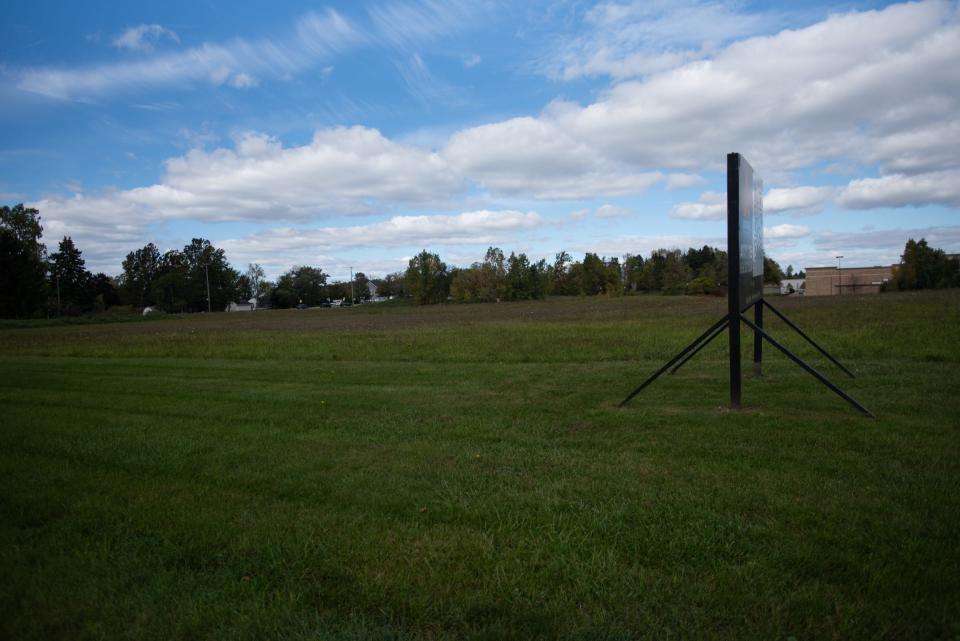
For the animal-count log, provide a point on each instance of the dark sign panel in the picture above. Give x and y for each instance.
(744, 231)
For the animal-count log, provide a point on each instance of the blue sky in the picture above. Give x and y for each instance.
(356, 134)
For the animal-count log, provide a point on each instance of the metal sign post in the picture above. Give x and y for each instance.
(745, 290)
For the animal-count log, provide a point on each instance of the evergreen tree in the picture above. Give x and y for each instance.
(69, 280)
(22, 267)
(140, 271)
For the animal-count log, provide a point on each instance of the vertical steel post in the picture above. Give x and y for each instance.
(733, 274)
(758, 339)
(206, 272)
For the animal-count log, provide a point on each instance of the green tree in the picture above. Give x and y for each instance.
(466, 285)
(772, 274)
(614, 283)
(391, 285)
(923, 267)
(676, 274)
(360, 288)
(257, 280)
(633, 269)
(489, 282)
(22, 266)
(205, 263)
(524, 280)
(301, 284)
(140, 271)
(103, 291)
(69, 280)
(169, 287)
(651, 276)
(561, 284)
(426, 278)
(697, 259)
(589, 276)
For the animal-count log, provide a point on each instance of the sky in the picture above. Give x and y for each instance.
(355, 134)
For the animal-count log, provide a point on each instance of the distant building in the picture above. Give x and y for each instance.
(790, 286)
(830, 281)
(248, 306)
(372, 289)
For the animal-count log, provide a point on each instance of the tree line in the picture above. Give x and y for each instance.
(35, 283)
(497, 277)
(198, 277)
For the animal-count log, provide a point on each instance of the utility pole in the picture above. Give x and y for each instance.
(206, 271)
(352, 299)
(839, 277)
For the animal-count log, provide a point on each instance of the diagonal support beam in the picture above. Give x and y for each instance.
(820, 377)
(656, 375)
(807, 338)
(719, 331)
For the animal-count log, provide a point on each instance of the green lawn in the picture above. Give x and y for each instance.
(465, 472)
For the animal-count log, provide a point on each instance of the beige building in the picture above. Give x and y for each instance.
(830, 281)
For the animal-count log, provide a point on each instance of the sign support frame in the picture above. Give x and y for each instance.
(737, 306)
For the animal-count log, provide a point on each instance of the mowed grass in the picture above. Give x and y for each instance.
(465, 472)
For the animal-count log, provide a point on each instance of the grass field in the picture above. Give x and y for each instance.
(465, 472)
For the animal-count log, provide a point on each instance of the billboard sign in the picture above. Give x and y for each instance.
(744, 231)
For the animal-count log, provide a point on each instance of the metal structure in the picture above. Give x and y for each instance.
(839, 277)
(745, 290)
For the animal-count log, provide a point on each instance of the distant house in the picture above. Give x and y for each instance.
(372, 289)
(248, 306)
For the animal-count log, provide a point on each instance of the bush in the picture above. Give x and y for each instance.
(701, 286)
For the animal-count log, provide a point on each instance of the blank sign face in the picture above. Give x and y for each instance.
(749, 234)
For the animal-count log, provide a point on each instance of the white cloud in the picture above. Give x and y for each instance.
(638, 37)
(317, 37)
(341, 171)
(797, 199)
(786, 231)
(873, 246)
(287, 246)
(900, 190)
(422, 84)
(411, 24)
(613, 211)
(243, 81)
(643, 245)
(144, 37)
(861, 88)
(712, 205)
(682, 181)
(537, 158)
(943, 237)
(472, 61)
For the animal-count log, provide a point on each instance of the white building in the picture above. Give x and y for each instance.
(792, 286)
(248, 306)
